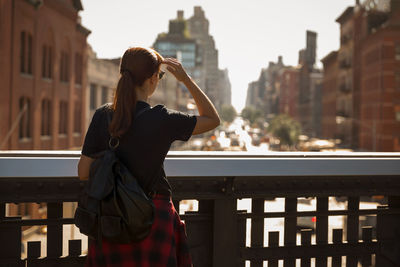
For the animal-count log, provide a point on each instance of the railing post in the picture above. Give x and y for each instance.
(352, 228)
(290, 228)
(388, 236)
(273, 242)
(34, 252)
(337, 238)
(257, 228)
(322, 228)
(10, 241)
(225, 247)
(306, 242)
(367, 238)
(200, 232)
(54, 232)
(241, 234)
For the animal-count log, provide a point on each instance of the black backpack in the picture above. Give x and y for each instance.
(114, 206)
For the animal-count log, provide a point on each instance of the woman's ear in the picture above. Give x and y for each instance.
(154, 78)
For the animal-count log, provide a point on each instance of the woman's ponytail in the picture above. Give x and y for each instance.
(137, 65)
(124, 104)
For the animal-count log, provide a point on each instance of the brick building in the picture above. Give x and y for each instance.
(367, 77)
(288, 84)
(42, 80)
(345, 90)
(43, 62)
(380, 80)
(208, 70)
(177, 43)
(329, 95)
(310, 86)
(189, 41)
(103, 76)
(263, 94)
(295, 91)
(252, 98)
(224, 86)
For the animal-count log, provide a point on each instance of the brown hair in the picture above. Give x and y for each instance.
(137, 65)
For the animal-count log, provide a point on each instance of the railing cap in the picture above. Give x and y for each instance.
(223, 154)
(212, 164)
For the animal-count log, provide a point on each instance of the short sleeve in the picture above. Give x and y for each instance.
(180, 124)
(91, 143)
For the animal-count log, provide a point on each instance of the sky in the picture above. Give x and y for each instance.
(248, 34)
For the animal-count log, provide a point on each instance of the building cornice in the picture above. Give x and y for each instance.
(331, 56)
(83, 30)
(345, 15)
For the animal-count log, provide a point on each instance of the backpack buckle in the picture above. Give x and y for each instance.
(113, 143)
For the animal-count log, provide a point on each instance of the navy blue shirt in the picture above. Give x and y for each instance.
(145, 145)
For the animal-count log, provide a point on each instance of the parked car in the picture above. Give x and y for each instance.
(307, 222)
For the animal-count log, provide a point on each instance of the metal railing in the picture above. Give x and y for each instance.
(220, 234)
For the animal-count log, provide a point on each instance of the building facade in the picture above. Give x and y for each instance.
(367, 99)
(329, 96)
(178, 44)
(263, 94)
(288, 84)
(252, 95)
(224, 85)
(103, 76)
(345, 112)
(198, 27)
(43, 79)
(310, 86)
(189, 41)
(296, 91)
(380, 80)
(208, 71)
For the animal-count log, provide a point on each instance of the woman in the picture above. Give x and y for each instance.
(143, 145)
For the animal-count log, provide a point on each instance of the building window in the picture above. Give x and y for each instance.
(93, 96)
(50, 62)
(104, 95)
(44, 61)
(46, 117)
(47, 61)
(77, 117)
(22, 53)
(397, 113)
(63, 117)
(78, 68)
(397, 55)
(30, 54)
(26, 53)
(398, 116)
(24, 117)
(64, 67)
(397, 81)
(23, 209)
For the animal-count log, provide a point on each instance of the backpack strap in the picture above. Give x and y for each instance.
(137, 114)
(113, 143)
(153, 182)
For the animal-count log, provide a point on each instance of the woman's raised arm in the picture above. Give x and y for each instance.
(208, 118)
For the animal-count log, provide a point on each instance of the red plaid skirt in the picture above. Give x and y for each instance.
(165, 246)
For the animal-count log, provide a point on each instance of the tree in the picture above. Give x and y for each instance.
(228, 113)
(251, 114)
(286, 129)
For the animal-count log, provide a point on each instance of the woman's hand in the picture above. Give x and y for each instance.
(84, 167)
(208, 118)
(176, 68)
